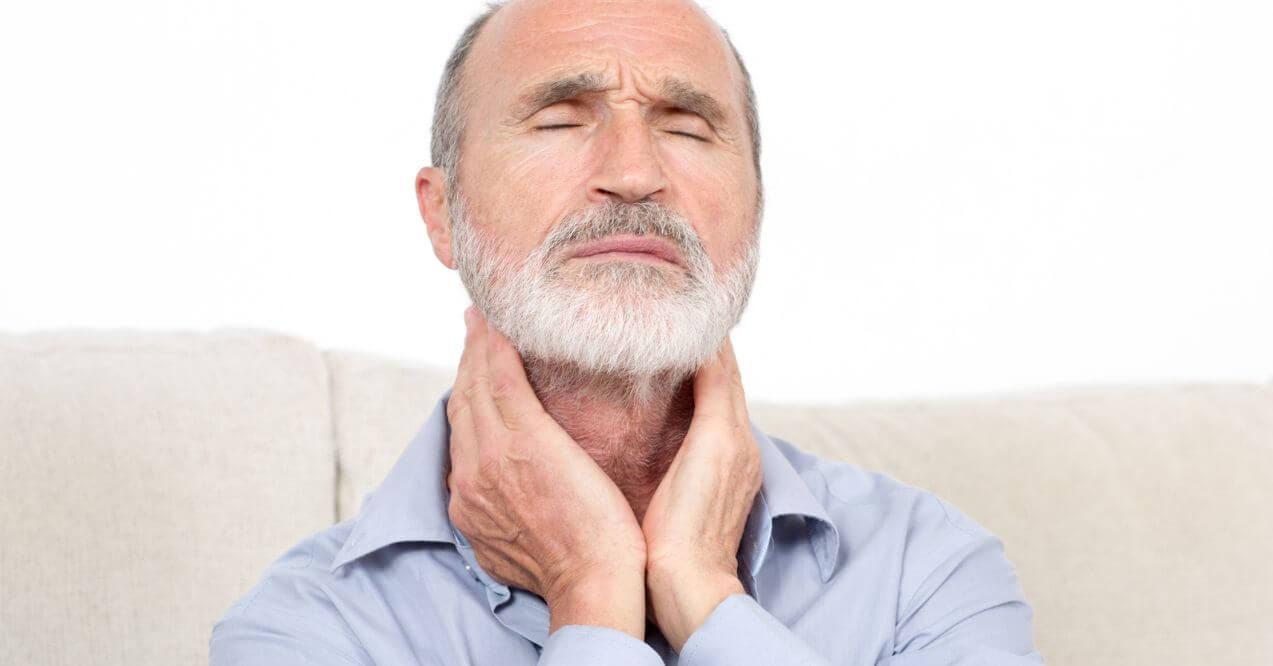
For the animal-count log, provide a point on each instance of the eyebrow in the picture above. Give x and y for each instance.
(677, 92)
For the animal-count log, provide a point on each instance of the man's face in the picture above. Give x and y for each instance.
(578, 111)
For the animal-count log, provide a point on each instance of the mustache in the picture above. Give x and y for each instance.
(643, 218)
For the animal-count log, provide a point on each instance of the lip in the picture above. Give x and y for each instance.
(630, 247)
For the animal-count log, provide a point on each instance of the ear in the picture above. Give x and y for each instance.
(430, 192)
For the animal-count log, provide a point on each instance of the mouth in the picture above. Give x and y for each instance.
(649, 249)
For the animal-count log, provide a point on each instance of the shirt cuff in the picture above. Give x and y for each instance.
(583, 644)
(740, 632)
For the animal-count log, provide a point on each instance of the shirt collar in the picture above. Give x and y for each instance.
(411, 502)
(783, 494)
(411, 505)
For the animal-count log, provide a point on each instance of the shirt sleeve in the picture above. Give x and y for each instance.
(577, 644)
(969, 610)
(261, 631)
(739, 632)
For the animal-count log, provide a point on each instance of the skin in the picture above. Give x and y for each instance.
(574, 494)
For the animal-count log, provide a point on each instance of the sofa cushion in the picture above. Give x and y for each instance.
(148, 479)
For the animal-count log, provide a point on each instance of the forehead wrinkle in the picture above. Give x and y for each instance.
(596, 35)
(593, 21)
(586, 31)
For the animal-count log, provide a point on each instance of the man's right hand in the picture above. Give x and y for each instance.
(538, 511)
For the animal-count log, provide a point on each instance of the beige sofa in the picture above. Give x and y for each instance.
(148, 479)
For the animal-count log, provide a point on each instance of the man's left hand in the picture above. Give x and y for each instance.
(695, 518)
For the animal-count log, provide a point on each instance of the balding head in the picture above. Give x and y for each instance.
(450, 106)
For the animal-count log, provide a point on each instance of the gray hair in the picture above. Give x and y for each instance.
(448, 110)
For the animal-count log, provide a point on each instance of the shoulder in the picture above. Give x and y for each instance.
(931, 549)
(940, 567)
(298, 574)
(289, 609)
(842, 487)
(899, 527)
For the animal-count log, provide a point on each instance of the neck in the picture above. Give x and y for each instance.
(631, 427)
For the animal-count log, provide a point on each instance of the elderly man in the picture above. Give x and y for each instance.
(591, 490)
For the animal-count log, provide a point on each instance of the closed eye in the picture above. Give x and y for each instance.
(569, 125)
(692, 136)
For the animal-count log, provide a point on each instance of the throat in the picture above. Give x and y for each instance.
(631, 427)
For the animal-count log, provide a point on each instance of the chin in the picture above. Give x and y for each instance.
(624, 331)
(628, 279)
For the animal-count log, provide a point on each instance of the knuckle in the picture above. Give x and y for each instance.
(501, 383)
(473, 389)
(456, 405)
(489, 461)
(520, 442)
(464, 488)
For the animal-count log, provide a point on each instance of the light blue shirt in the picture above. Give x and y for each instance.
(841, 566)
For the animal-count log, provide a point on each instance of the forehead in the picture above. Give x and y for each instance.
(639, 42)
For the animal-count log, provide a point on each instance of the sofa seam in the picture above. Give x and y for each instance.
(333, 429)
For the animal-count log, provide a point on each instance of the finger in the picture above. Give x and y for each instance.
(477, 390)
(481, 422)
(718, 385)
(466, 358)
(514, 397)
(729, 366)
(459, 408)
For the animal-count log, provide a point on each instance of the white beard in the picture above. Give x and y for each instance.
(628, 320)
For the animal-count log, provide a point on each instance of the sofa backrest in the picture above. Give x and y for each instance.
(149, 478)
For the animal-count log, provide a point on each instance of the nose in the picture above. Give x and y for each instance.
(630, 169)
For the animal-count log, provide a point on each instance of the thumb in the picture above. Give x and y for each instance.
(510, 387)
(718, 386)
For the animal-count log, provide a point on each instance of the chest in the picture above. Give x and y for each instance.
(434, 611)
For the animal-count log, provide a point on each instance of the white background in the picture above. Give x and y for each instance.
(963, 197)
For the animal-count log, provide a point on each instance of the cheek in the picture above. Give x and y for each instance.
(538, 168)
(726, 236)
(523, 193)
(720, 200)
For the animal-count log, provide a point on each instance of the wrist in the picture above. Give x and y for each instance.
(613, 599)
(682, 598)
